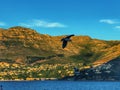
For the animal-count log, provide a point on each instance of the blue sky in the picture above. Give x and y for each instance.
(98, 19)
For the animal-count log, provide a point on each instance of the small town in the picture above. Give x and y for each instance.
(35, 72)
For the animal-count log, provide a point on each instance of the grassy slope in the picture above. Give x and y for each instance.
(18, 43)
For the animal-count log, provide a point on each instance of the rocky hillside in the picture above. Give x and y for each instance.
(26, 46)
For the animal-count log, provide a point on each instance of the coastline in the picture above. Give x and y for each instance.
(33, 79)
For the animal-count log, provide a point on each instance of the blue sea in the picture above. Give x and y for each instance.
(59, 85)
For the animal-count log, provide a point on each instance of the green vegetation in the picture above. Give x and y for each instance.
(87, 55)
(38, 71)
(25, 47)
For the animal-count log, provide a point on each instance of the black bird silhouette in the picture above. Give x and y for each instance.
(65, 40)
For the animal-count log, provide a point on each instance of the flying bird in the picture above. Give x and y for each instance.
(65, 40)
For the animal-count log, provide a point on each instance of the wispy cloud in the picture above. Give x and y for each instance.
(117, 27)
(2, 24)
(42, 23)
(108, 21)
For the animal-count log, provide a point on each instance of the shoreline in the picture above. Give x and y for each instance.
(41, 79)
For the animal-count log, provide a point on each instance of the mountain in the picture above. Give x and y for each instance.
(26, 46)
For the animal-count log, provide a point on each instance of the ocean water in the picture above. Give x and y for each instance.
(59, 85)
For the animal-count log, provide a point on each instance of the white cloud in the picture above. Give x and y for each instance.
(118, 27)
(2, 24)
(108, 21)
(42, 23)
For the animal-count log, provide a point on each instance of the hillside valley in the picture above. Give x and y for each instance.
(24, 47)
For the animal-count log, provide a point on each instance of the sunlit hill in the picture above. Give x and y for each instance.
(26, 46)
(28, 55)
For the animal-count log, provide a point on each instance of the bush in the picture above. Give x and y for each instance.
(87, 55)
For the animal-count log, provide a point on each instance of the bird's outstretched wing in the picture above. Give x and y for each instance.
(65, 40)
(69, 36)
(64, 44)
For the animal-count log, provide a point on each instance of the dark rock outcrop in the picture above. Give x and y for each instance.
(106, 71)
